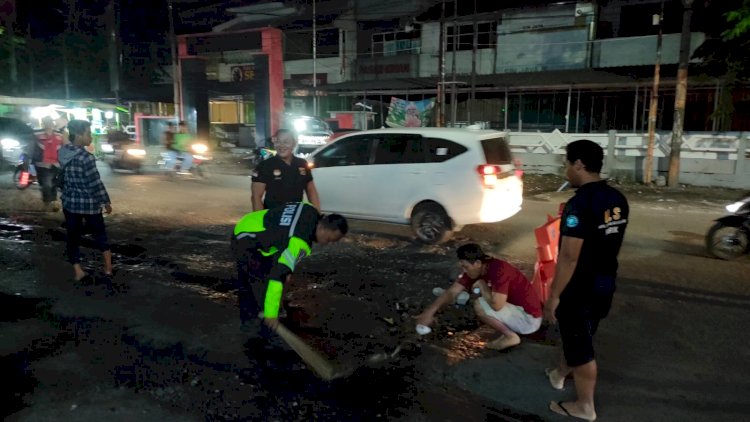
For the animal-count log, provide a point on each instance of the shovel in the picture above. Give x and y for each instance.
(324, 368)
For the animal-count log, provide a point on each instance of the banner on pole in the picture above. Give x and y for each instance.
(403, 113)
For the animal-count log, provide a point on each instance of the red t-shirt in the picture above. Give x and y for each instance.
(504, 278)
(50, 145)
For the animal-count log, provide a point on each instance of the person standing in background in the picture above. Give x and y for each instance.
(47, 165)
(283, 178)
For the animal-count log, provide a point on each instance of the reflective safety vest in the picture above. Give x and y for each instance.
(285, 234)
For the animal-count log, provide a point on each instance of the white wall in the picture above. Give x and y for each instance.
(706, 159)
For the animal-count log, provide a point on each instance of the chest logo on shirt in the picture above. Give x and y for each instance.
(302, 171)
(277, 172)
(571, 221)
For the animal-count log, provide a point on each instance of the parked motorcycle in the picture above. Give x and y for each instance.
(200, 156)
(729, 238)
(24, 174)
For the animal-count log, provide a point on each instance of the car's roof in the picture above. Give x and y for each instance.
(451, 134)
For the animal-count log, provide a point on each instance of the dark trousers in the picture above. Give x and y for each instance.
(75, 224)
(46, 177)
(252, 281)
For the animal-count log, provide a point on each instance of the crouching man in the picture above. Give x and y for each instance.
(267, 246)
(508, 302)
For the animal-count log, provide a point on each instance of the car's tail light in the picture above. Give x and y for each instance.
(518, 165)
(490, 175)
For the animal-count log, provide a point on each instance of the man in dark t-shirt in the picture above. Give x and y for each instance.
(283, 178)
(508, 302)
(592, 228)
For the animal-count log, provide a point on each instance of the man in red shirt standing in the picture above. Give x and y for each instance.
(50, 142)
(508, 302)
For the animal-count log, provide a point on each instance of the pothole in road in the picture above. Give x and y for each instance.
(13, 231)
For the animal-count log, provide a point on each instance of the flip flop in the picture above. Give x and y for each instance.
(549, 372)
(566, 413)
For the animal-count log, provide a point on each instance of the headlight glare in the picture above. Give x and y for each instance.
(199, 148)
(10, 143)
(136, 152)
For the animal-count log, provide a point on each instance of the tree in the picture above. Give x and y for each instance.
(726, 52)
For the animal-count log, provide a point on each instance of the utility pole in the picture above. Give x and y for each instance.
(9, 9)
(649, 164)
(114, 50)
(177, 95)
(454, 99)
(441, 59)
(673, 177)
(473, 95)
(315, 58)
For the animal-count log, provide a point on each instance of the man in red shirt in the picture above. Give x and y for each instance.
(50, 142)
(508, 302)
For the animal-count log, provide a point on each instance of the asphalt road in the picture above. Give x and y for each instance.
(664, 242)
(672, 348)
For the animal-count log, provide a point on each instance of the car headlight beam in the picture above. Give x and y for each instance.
(10, 143)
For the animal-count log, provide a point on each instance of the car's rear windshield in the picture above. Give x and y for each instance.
(496, 151)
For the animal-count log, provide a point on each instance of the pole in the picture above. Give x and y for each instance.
(177, 95)
(567, 110)
(505, 112)
(114, 56)
(649, 164)
(65, 65)
(441, 59)
(315, 58)
(454, 100)
(635, 109)
(10, 33)
(673, 177)
(473, 65)
(578, 108)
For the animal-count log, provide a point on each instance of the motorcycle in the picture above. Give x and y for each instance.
(123, 155)
(729, 237)
(199, 155)
(25, 173)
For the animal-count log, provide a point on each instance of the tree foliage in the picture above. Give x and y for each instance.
(739, 21)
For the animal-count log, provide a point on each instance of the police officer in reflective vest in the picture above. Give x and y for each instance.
(267, 246)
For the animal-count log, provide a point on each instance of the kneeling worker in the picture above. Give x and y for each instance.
(508, 302)
(267, 246)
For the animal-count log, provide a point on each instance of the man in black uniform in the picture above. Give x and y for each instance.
(283, 178)
(592, 228)
(267, 245)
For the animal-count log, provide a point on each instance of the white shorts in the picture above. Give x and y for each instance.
(514, 317)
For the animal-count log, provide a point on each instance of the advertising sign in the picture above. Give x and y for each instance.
(403, 113)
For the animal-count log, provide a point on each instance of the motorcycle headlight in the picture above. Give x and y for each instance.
(107, 148)
(136, 152)
(10, 143)
(733, 208)
(199, 148)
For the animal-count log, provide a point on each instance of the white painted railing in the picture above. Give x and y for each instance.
(706, 158)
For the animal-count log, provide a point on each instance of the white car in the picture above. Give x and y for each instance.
(435, 179)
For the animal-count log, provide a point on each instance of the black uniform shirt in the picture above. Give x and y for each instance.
(284, 183)
(598, 214)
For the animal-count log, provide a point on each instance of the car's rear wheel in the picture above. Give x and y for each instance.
(431, 223)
